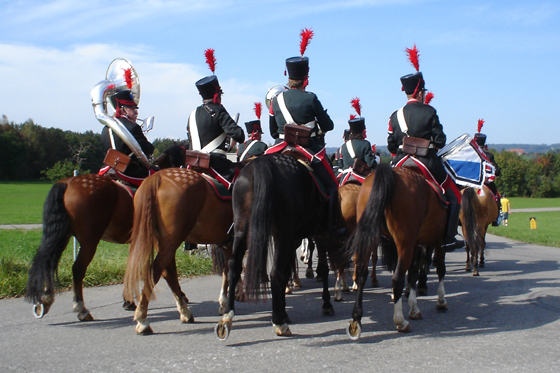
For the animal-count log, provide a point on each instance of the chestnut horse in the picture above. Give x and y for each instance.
(91, 208)
(276, 204)
(172, 206)
(399, 204)
(478, 210)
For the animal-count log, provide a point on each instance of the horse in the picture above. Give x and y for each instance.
(276, 204)
(91, 208)
(172, 206)
(478, 210)
(397, 203)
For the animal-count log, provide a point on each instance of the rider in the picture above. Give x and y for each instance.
(337, 157)
(209, 127)
(297, 106)
(480, 139)
(253, 146)
(126, 111)
(418, 120)
(355, 148)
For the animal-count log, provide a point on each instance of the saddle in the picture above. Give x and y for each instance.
(361, 168)
(416, 166)
(294, 152)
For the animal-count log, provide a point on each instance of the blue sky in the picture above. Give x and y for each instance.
(496, 60)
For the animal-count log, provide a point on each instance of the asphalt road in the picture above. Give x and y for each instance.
(506, 320)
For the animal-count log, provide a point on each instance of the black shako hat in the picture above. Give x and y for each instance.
(298, 67)
(254, 125)
(413, 82)
(208, 87)
(357, 125)
(480, 139)
(123, 98)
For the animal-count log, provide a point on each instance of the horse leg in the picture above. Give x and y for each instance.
(374, 281)
(278, 280)
(398, 281)
(340, 285)
(170, 275)
(482, 247)
(468, 266)
(354, 328)
(235, 265)
(323, 272)
(307, 257)
(79, 268)
(141, 313)
(439, 259)
(413, 274)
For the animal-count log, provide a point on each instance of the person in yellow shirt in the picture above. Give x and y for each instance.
(506, 208)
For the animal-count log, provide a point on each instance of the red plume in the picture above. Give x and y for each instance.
(480, 123)
(429, 97)
(306, 36)
(373, 148)
(210, 59)
(352, 116)
(128, 78)
(414, 57)
(356, 105)
(258, 109)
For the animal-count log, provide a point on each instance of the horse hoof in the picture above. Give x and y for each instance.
(38, 311)
(85, 316)
(416, 316)
(467, 269)
(319, 278)
(441, 307)
(129, 306)
(282, 330)
(309, 273)
(422, 292)
(405, 328)
(374, 284)
(188, 319)
(338, 298)
(354, 330)
(481, 264)
(221, 331)
(144, 330)
(327, 311)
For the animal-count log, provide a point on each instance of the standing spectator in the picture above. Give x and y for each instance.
(506, 208)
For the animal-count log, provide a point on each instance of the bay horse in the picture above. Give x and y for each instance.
(276, 204)
(172, 206)
(478, 210)
(91, 208)
(397, 203)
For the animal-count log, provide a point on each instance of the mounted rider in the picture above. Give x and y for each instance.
(301, 109)
(416, 121)
(357, 159)
(253, 147)
(480, 139)
(210, 125)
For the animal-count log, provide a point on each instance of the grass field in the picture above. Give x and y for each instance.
(22, 203)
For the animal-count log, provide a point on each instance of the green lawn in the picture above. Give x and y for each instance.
(547, 232)
(22, 203)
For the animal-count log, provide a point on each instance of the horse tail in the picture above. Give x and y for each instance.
(144, 240)
(56, 234)
(468, 220)
(260, 228)
(367, 235)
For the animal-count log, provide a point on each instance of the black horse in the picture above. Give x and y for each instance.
(276, 204)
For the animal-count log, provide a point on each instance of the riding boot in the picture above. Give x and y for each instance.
(331, 187)
(449, 242)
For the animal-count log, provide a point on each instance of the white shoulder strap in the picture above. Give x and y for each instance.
(350, 148)
(247, 150)
(284, 109)
(402, 122)
(112, 139)
(193, 130)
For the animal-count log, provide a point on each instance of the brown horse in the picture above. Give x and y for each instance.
(172, 206)
(478, 210)
(348, 198)
(397, 203)
(91, 208)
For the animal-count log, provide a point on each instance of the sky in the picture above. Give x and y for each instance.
(492, 60)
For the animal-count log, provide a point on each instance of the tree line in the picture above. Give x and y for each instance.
(32, 152)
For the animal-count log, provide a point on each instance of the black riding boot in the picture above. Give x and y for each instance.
(449, 241)
(333, 204)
